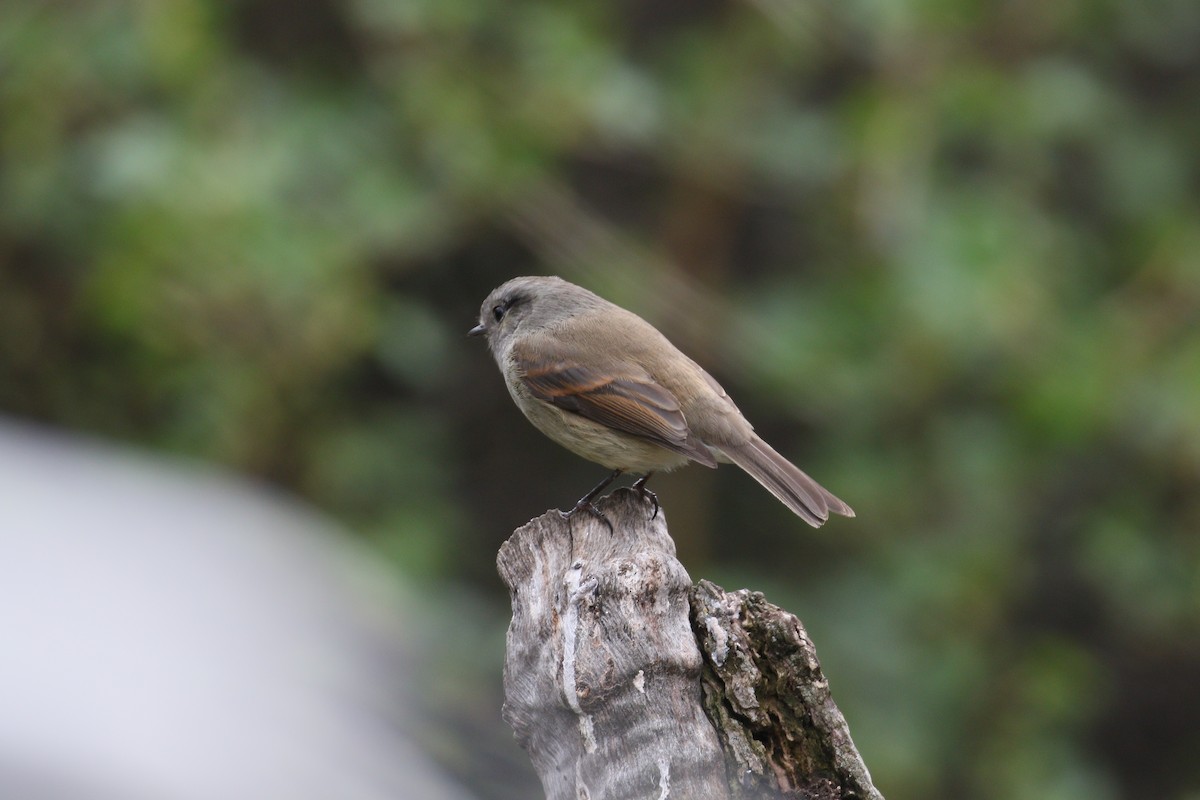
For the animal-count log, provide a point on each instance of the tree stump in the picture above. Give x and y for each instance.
(622, 680)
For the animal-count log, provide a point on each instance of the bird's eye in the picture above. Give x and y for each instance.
(498, 312)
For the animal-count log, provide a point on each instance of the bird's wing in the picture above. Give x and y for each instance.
(621, 395)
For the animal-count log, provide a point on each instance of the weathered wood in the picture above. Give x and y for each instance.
(608, 690)
(602, 678)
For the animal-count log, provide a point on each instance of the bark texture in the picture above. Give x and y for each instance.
(765, 693)
(622, 680)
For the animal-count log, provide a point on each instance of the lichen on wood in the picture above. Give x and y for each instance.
(765, 692)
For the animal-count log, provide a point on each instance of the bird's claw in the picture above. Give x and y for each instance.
(643, 492)
(588, 506)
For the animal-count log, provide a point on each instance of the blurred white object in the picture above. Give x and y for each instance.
(166, 634)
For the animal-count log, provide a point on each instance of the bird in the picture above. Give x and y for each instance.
(608, 386)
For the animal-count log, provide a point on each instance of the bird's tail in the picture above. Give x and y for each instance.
(811, 501)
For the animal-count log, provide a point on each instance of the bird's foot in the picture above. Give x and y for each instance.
(643, 492)
(586, 505)
(585, 502)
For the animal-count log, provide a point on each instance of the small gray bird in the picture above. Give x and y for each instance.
(606, 385)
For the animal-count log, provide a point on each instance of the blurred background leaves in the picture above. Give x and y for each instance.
(945, 254)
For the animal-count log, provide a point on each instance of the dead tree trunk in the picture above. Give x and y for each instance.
(622, 680)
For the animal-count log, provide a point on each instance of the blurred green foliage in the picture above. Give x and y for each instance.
(946, 255)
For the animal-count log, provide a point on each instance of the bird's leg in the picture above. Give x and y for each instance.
(585, 502)
(643, 492)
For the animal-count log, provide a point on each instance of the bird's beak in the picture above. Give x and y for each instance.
(478, 329)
